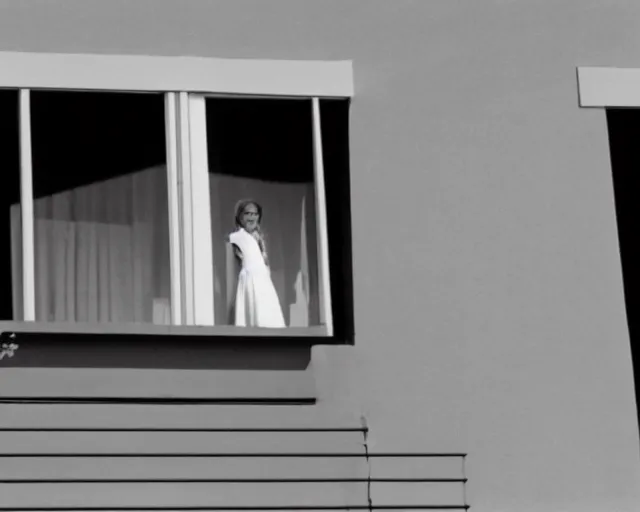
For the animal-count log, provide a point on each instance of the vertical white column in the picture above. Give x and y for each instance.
(26, 207)
(203, 270)
(326, 314)
(186, 215)
(173, 189)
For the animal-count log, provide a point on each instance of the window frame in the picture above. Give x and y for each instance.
(184, 82)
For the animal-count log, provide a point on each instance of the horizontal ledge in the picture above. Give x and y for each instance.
(608, 87)
(226, 480)
(177, 73)
(220, 455)
(247, 509)
(151, 401)
(177, 429)
(7, 328)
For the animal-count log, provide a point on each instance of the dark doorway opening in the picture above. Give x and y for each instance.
(624, 137)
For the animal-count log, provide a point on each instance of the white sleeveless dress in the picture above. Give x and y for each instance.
(257, 303)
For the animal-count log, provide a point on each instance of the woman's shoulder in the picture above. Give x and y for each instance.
(234, 235)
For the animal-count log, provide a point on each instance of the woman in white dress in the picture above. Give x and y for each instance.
(257, 303)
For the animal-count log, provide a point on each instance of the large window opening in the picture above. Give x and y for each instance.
(262, 150)
(101, 235)
(134, 208)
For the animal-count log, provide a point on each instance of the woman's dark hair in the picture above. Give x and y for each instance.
(240, 207)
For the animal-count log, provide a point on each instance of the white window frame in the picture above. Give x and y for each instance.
(184, 81)
(198, 249)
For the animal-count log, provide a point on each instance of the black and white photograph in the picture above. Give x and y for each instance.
(319, 255)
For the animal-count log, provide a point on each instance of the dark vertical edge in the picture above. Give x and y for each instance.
(624, 130)
(578, 87)
(335, 148)
(9, 193)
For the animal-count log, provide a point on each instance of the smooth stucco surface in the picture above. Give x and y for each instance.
(488, 292)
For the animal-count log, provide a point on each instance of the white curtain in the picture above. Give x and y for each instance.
(101, 252)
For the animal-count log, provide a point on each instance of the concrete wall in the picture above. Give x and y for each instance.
(489, 305)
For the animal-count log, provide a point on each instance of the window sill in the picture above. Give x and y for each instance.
(132, 329)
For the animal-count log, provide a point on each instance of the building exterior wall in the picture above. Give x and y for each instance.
(488, 294)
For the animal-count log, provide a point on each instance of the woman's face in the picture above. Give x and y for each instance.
(250, 217)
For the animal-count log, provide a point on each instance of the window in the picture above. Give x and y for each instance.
(263, 149)
(123, 184)
(101, 225)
